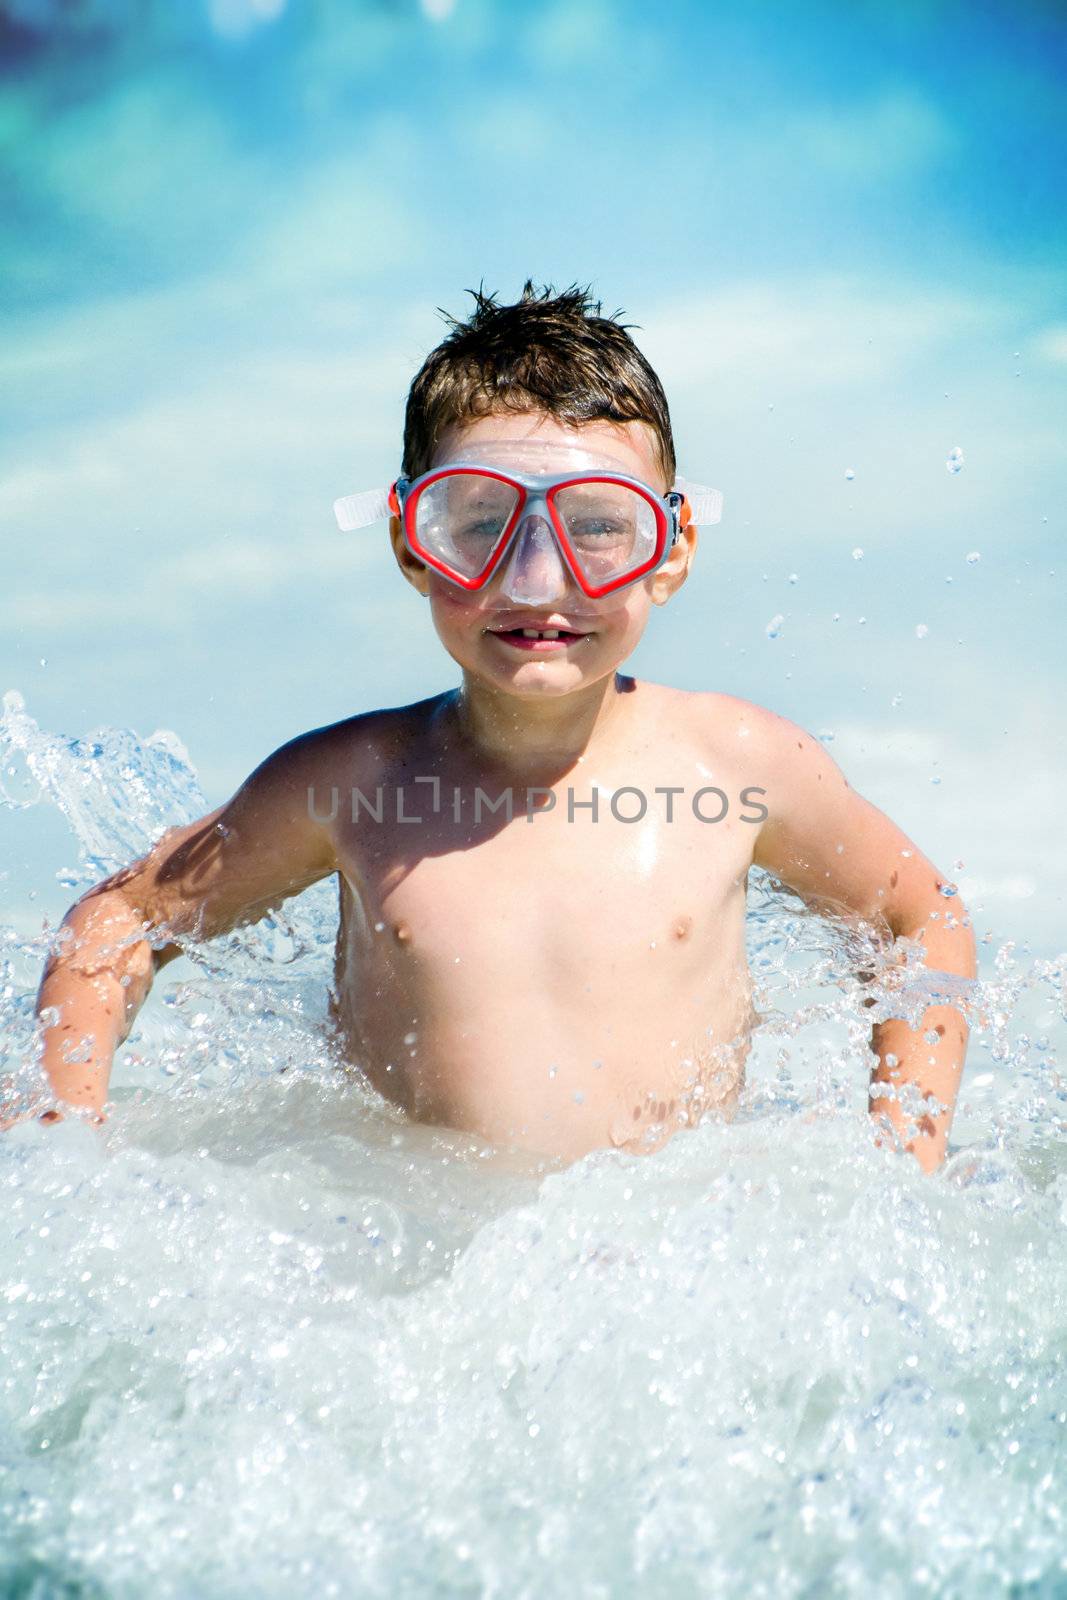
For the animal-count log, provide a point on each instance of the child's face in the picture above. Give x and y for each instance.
(469, 624)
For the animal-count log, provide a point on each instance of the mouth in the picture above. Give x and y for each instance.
(538, 640)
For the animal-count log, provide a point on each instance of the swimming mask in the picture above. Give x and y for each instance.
(564, 512)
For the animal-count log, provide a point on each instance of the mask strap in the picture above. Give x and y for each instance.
(705, 505)
(361, 510)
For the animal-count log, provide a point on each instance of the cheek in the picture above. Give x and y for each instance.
(455, 612)
(634, 608)
(453, 607)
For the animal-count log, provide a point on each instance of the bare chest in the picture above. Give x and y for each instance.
(452, 874)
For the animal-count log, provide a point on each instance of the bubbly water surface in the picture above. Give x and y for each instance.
(261, 1336)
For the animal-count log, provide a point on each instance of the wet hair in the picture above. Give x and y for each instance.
(553, 353)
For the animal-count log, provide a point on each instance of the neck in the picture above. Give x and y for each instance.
(527, 740)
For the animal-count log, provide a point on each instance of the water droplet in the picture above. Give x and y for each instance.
(379, 927)
(921, 630)
(948, 890)
(857, 554)
(836, 617)
(957, 866)
(794, 577)
(849, 474)
(44, 661)
(552, 1071)
(410, 1038)
(954, 463)
(774, 627)
(935, 780)
(974, 558)
(770, 408)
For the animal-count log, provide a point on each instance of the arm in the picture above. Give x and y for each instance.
(230, 867)
(840, 853)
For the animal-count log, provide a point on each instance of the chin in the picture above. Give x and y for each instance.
(541, 687)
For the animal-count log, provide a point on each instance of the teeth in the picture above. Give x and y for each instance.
(532, 633)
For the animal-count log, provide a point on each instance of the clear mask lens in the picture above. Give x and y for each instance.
(462, 518)
(611, 529)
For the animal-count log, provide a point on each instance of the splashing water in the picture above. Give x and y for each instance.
(262, 1335)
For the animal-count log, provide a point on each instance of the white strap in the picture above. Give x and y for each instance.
(361, 510)
(705, 504)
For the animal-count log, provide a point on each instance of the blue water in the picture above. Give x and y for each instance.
(261, 1335)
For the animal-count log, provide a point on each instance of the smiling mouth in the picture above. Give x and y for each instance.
(537, 638)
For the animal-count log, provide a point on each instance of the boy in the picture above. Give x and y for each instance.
(542, 873)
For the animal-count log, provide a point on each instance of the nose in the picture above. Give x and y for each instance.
(535, 572)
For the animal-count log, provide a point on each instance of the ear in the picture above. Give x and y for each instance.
(415, 571)
(668, 579)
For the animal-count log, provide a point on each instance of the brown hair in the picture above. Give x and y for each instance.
(549, 352)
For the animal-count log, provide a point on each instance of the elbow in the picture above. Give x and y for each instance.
(956, 925)
(943, 926)
(104, 932)
(970, 946)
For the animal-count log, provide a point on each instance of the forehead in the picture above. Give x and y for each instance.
(631, 444)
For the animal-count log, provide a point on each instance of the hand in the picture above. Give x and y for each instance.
(11, 1120)
(50, 1114)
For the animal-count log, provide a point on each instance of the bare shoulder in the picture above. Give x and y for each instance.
(273, 838)
(279, 805)
(357, 749)
(733, 726)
